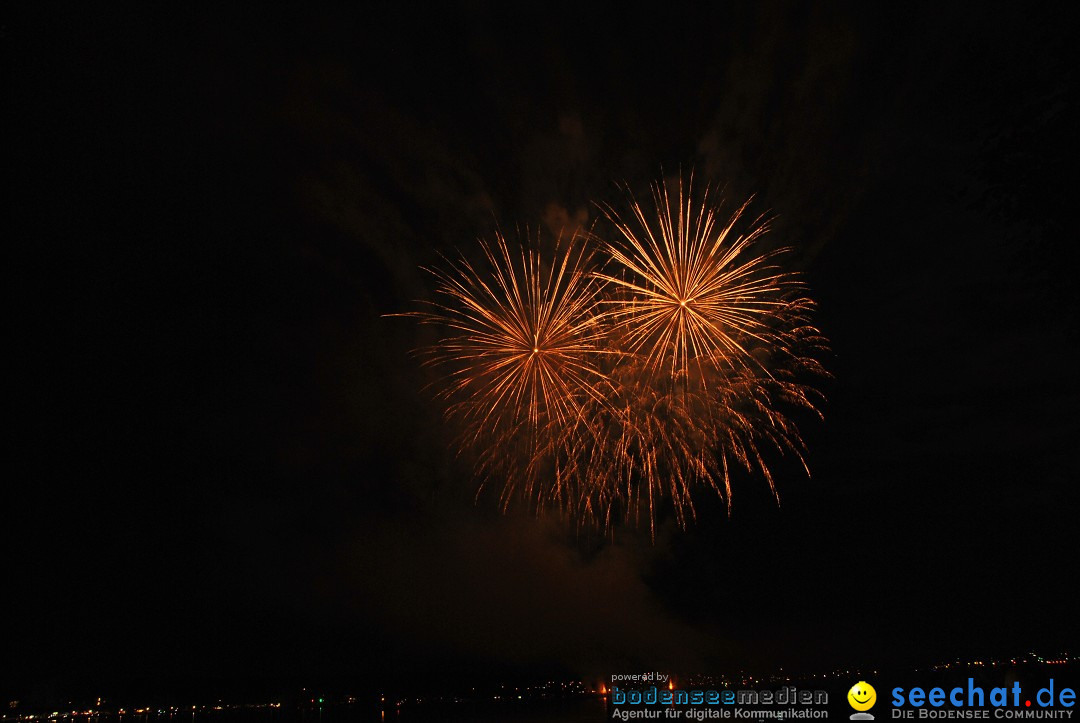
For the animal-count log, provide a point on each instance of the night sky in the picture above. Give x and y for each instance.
(224, 459)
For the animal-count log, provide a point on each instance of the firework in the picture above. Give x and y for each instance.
(520, 358)
(714, 346)
(690, 291)
(604, 384)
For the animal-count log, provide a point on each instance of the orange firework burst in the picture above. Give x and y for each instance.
(521, 354)
(691, 293)
(605, 388)
(715, 343)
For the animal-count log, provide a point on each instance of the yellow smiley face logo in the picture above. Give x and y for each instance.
(862, 696)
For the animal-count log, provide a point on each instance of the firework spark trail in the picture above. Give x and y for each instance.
(650, 442)
(521, 353)
(603, 389)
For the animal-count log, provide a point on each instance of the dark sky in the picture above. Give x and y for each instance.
(224, 461)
